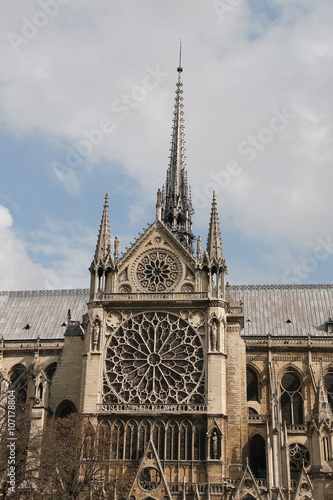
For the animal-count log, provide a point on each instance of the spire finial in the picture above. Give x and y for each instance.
(214, 243)
(180, 69)
(103, 252)
(177, 208)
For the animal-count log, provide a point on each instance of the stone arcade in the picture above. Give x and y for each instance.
(205, 390)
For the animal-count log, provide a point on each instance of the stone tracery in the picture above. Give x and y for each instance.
(154, 358)
(157, 271)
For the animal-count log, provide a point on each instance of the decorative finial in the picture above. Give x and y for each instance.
(106, 200)
(180, 69)
(116, 248)
(159, 205)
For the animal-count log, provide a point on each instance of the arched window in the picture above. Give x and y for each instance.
(328, 379)
(144, 433)
(199, 441)
(252, 385)
(19, 380)
(158, 438)
(65, 409)
(50, 370)
(298, 455)
(258, 456)
(104, 440)
(172, 441)
(291, 398)
(117, 440)
(325, 447)
(186, 441)
(131, 442)
(89, 442)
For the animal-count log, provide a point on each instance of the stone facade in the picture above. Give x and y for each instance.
(207, 391)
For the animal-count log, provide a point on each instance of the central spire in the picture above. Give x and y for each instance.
(177, 208)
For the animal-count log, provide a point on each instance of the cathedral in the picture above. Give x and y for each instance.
(202, 389)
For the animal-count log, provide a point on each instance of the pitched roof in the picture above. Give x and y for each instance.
(289, 310)
(43, 311)
(268, 307)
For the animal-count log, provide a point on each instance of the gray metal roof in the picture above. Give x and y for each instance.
(268, 307)
(43, 310)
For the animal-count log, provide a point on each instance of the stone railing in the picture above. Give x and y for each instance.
(304, 341)
(257, 419)
(296, 428)
(212, 488)
(153, 407)
(153, 296)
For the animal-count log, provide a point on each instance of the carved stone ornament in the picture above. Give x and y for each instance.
(154, 357)
(157, 270)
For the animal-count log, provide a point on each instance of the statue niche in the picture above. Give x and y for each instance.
(96, 330)
(215, 445)
(214, 334)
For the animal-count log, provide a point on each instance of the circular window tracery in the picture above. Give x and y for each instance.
(149, 478)
(157, 270)
(154, 358)
(298, 455)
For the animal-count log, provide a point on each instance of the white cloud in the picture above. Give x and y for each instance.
(236, 71)
(16, 269)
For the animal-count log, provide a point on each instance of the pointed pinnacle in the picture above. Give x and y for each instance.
(214, 243)
(103, 246)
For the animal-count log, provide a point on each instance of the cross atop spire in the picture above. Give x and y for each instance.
(177, 208)
(103, 247)
(180, 69)
(214, 243)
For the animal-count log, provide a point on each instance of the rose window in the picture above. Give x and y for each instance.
(154, 358)
(157, 271)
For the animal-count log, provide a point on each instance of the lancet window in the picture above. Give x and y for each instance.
(174, 440)
(20, 380)
(252, 385)
(328, 379)
(258, 456)
(291, 398)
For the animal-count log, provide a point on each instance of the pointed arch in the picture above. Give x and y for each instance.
(117, 440)
(144, 435)
(172, 441)
(258, 456)
(18, 377)
(199, 440)
(252, 384)
(131, 440)
(328, 380)
(159, 438)
(185, 447)
(104, 440)
(291, 397)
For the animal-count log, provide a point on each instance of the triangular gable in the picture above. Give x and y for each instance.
(304, 489)
(196, 493)
(278, 495)
(149, 480)
(144, 239)
(248, 485)
(156, 263)
(214, 425)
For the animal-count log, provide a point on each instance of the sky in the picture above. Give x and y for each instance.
(87, 91)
